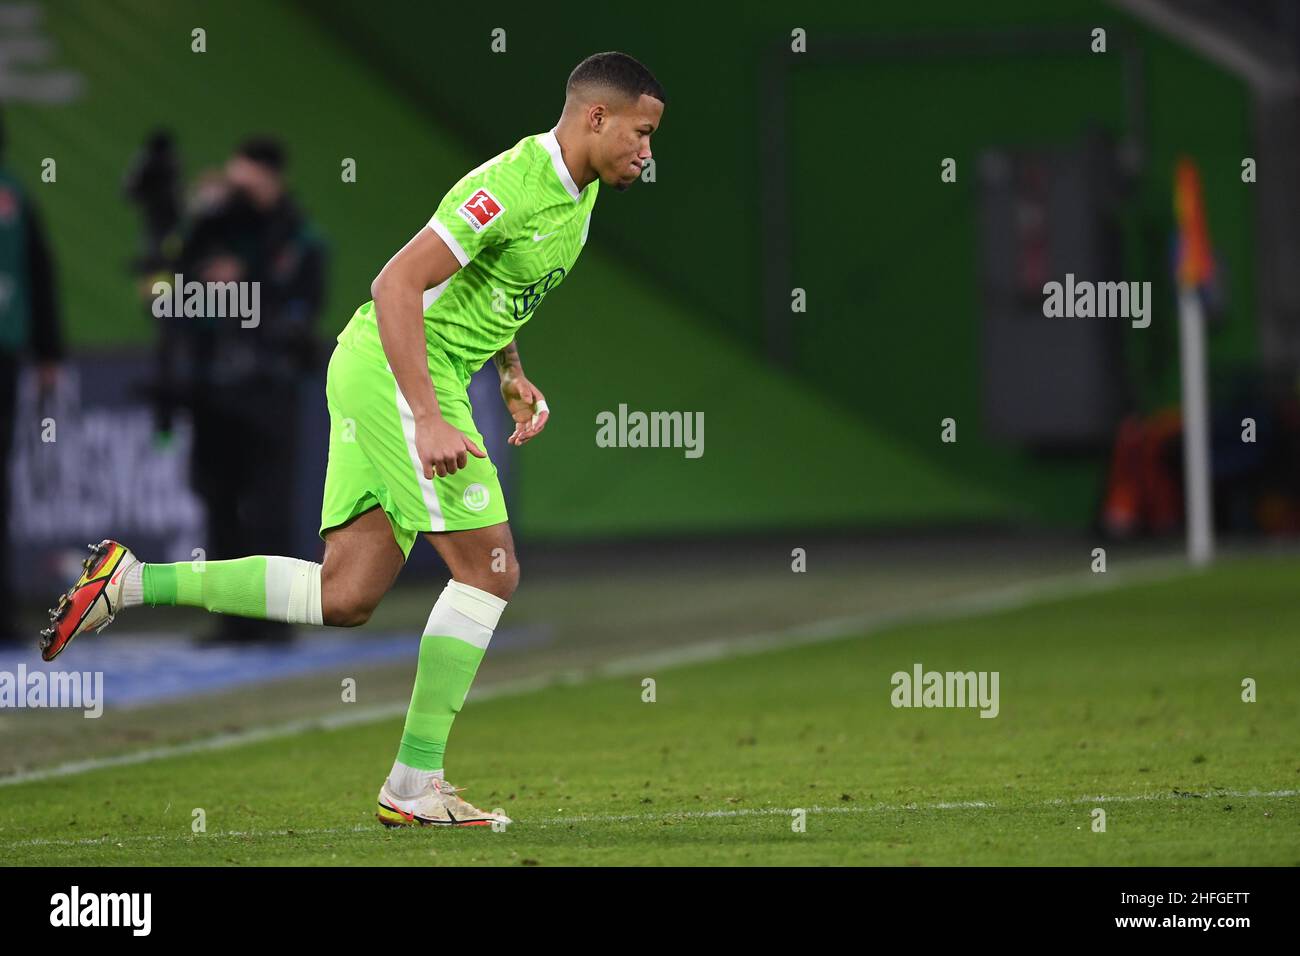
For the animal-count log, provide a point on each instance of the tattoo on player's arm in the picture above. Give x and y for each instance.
(507, 358)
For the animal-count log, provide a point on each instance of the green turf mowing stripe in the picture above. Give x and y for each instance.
(829, 629)
(639, 818)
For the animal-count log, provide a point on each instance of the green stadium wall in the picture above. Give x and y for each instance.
(665, 311)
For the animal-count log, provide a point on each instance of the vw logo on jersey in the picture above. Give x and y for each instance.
(527, 299)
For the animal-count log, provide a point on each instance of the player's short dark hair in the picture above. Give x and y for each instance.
(265, 152)
(617, 71)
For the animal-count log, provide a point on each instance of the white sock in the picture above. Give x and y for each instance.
(133, 586)
(293, 590)
(408, 782)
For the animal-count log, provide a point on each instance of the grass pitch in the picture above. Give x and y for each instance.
(1127, 700)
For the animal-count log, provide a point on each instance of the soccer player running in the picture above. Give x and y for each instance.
(405, 458)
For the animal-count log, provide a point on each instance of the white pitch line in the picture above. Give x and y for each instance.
(1182, 795)
(671, 815)
(1011, 597)
(893, 808)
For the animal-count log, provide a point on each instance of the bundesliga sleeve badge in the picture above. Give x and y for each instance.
(481, 209)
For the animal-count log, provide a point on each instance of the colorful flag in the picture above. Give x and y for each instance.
(1194, 262)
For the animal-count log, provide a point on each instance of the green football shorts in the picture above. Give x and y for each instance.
(372, 458)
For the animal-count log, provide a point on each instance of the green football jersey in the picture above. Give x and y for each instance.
(516, 224)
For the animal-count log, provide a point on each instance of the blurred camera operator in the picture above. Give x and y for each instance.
(243, 375)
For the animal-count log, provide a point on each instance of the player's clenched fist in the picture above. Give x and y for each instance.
(443, 449)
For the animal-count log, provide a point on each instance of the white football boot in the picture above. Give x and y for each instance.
(438, 806)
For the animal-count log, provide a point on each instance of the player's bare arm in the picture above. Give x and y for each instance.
(398, 293)
(524, 400)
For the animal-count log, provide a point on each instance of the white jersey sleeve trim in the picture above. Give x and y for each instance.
(445, 235)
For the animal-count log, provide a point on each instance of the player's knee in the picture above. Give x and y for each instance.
(503, 583)
(347, 612)
(500, 581)
(510, 581)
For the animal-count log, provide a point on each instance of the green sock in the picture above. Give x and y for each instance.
(267, 587)
(446, 670)
(442, 679)
(227, 587)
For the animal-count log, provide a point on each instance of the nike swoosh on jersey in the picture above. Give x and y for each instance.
(537, 238)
